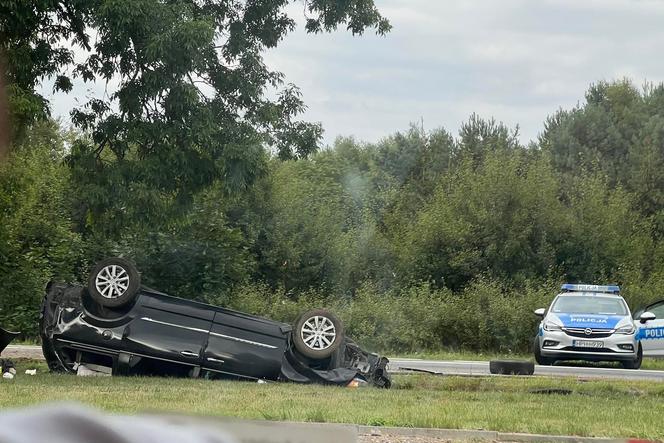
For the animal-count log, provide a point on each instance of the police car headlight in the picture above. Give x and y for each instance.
(627, 330)
(550, 326)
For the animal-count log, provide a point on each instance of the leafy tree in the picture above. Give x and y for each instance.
(598, 135)
(5, 126)
(31, 35)
(201, 256)
(479, 136)
(645, 166)
(192, 105)
(601, 235)
(36, 238)
(407, 167)
(311, 213)
(499, 219)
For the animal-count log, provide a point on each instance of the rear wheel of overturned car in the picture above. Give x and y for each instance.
(318, 334)
(114, 282)
(512, 367)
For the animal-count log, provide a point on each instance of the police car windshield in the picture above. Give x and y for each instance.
(584, 304)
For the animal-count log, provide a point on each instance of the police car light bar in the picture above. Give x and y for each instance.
(614, 289)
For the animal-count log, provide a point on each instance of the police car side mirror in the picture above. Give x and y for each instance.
(540, 312)
(647, 316)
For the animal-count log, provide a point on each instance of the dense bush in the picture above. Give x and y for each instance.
(36, 238)
(485, 316)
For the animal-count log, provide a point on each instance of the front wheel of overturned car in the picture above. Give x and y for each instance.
(114, 282)
(318, 334)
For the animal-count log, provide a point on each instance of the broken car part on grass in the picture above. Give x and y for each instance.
(7, 368)
(117, 323)
(6, 337)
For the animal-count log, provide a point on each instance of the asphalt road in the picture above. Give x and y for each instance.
(23, 351)
(468, 368)
(482, 368)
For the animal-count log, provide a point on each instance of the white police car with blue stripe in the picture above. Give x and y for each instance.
(651, 332)
(593, 323)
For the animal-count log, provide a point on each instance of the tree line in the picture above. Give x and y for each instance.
(422, 240)
(198, 167)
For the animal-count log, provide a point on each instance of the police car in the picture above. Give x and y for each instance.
(593, 323)
(651, 332)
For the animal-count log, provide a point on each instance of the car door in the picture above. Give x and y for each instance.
(651, 333)
(169, 328)
(244, 345)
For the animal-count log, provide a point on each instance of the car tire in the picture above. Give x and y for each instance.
(634, 364)
(512, 367)
(539, 358)
(317, 334)
(114, 282)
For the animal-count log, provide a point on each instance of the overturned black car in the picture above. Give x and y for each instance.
(117, 324)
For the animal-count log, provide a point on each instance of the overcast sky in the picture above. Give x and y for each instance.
(515, 60)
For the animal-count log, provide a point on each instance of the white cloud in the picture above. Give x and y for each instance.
(515, 60)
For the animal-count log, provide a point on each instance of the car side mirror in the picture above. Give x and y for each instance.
(540, 312)
(647, 316)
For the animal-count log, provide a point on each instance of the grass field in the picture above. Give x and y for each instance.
(594, 408)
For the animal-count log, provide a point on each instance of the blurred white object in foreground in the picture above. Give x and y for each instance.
(65, 423)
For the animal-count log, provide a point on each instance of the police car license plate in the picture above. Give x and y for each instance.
(588, 344)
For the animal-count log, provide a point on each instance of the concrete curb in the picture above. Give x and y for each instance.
(295, 432)
(479, 435)
(446, 434)
(265, 431)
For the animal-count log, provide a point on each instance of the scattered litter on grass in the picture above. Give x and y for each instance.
(357, 383)
(8, 369)
(30, 372)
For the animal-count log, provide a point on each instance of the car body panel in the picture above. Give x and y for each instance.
(241, 344)
(583, 321)
(166, 335)
(6, 337)
(651, 333)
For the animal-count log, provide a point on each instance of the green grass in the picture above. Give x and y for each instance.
(595, 408)
(648, 363)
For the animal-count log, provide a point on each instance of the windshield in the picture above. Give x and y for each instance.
(580, 304)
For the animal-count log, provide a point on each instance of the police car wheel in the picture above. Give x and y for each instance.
(634, 364)
(541, 360)
(544, 361)
(512, 367)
